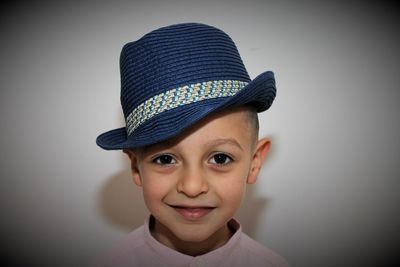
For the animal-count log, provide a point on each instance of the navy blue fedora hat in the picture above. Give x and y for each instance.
(174, 76)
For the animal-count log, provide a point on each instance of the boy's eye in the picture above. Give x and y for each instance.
(164, 160)
(221, 159)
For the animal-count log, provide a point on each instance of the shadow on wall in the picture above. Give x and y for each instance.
(121, 203)
(251, 211)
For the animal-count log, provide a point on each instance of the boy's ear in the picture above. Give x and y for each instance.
(259, 156)
(134, 166)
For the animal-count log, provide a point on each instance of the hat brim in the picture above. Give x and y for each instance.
(260, 93)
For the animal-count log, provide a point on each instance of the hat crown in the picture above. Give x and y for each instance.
(176, 56)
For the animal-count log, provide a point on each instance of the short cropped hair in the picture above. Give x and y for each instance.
(252, 119)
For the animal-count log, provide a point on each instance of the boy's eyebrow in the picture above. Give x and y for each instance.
(223, 141)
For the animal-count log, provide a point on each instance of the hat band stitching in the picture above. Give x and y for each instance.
(181, 96)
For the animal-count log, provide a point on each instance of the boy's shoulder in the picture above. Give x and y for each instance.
(258, 254)
(122, 253)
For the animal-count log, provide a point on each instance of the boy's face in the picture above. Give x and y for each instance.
(194, 184)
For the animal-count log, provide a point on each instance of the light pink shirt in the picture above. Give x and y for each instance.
(140, 248)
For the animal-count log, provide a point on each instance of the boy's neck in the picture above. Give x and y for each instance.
(163, 235)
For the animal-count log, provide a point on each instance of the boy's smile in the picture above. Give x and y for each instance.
(193, 184)
(192, 212)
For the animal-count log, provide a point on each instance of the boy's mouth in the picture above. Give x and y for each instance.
(192, 212)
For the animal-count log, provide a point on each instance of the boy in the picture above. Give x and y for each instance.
(192, 137)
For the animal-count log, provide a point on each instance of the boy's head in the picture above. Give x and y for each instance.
(194, 183)
(191, 130)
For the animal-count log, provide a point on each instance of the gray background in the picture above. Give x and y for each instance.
(327, 195)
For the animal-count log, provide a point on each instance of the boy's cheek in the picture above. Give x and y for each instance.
(155, 189)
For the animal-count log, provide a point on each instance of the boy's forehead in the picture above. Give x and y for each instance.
(227, 126)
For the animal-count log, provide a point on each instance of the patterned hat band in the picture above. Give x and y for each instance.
(180, 96)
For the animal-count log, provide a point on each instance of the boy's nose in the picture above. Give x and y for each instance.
(192, 182)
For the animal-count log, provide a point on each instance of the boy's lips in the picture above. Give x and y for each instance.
(192, 212)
